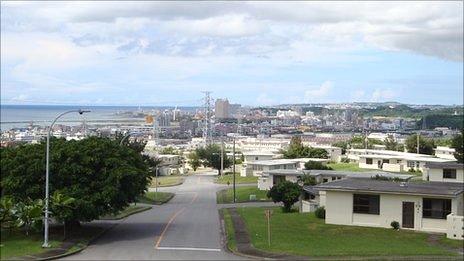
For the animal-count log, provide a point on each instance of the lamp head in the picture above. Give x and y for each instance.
(83, 111)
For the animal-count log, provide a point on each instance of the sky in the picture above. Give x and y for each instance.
(253, 53)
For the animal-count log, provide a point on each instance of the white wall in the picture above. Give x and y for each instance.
(339, 210)
(437, 175)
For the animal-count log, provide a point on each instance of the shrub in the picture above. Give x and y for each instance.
(286, 192)
(316, 165)
(320, 212)
(395, 225)
(345, 160)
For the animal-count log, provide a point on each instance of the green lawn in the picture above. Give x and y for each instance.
(18, 244)
(238, 179)
(231, 243)
(346, 167)
(156, 198)
(242, 195)
(167, 181)
(130, 210)
(304, 234)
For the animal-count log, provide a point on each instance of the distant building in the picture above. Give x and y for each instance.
(222, 109)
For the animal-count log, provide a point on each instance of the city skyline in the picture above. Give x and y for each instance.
(159, 53)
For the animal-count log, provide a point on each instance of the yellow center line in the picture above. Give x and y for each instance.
(167, 226)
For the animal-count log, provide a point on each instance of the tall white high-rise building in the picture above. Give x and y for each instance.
(221, 109)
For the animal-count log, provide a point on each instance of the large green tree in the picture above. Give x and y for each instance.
(194, 160)
(286, 192)
(100, 174)
(296, 149)
(211, 156)
(425, 145)
(458, 145)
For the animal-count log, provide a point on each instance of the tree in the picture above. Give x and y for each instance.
(391, 144)
(168, 150)
(296, 149)
(62, 208)
(29, 213)
(316, 165)
(286, 192)
(425, 145)
(103, 176)
(458, 146)
(194, 160)
(8, 219)
(307, 180)
(341, 144)
(211, 156)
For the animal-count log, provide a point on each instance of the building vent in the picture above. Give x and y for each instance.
(403, 184)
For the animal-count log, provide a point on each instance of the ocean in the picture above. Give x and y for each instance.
(19, 116)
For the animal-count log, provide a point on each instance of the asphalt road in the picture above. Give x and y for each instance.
(187, 227)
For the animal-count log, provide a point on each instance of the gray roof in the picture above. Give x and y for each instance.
(381, 186)
(448, 165)
(311, 190)
(335, 173)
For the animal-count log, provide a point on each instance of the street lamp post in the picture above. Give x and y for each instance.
(233, 158)
(47, 174)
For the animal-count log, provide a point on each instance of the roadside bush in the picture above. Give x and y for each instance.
(320, 212)
(345, 160)
(395, 225)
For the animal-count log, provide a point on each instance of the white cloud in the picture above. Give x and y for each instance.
(383, 95)
(318, 93)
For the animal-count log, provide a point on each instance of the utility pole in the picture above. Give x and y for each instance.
(222, 156)
(418, 134)
(233, 159)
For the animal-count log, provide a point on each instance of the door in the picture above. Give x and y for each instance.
(408, 214)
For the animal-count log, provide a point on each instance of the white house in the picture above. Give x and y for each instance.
(444, 172)
(398, 162)
(423, 206)
(170, 164)
(273, 177)
(445, 152)
(251, 156)
(256, 168)
(262, 144)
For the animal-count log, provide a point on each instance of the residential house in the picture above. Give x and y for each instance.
(445, 152)
(256, 168)
(444, 172)
(422, 206)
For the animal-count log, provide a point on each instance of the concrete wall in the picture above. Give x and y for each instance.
(455, 227)
(339, 210)
(437, 175)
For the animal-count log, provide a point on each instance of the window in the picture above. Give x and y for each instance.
(449, 173)
(256, 158)
(366, 204)
(436, 208)
(385, 161)
(324, 180)
(369, 161)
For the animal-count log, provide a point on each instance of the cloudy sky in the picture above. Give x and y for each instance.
(167, 53)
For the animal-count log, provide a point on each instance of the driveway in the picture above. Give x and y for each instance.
(187, 227)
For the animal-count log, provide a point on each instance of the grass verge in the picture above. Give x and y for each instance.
(130, 210)
(238, 179)
(156, 198)
(242, 194)
(304, 234)
(347, 167)
(167, 181)
(229, 229)
(16, 243)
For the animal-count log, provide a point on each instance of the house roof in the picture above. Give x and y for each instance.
(259, 153)
(406, 157)
(272, 162)
(442, 165)
(380, 186)
(311, 190)
(335, 173)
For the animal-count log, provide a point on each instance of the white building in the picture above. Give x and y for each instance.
(272, 177)
(445, 152)
(425, 206)
(444, 172)
(251, 156)
(397, 163)
(256, 168)
(221, 109)
(262, 144)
